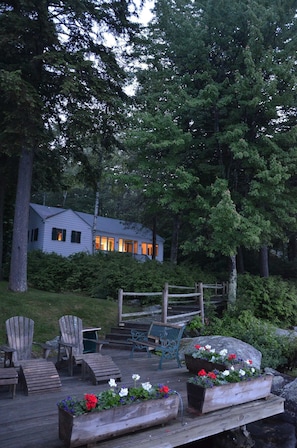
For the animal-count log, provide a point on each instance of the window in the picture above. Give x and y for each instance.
(75, 236)
(34, 234)
(129, 246)
(147, 249)
(104, 243)
(58, 234)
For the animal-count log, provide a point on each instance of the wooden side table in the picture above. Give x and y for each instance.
(9, 377)
(8, 351)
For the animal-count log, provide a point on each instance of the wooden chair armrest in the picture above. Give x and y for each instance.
(45, 347)
(66, 344)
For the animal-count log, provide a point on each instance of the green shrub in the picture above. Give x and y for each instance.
(272, 299)
(102, 274)
(277, 351)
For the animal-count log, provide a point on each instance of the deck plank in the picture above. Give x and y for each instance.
(32, 421)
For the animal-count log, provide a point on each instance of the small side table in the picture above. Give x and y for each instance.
(8, 351)
(9, 377)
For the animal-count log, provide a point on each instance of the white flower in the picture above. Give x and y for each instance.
(123, 392)
(212, 350)
(241, 372)
(147, 386)
(135, 377)
(223, 352)
(249, 362)
(202, 349)
(226, 373)
(232, 368)
(207, 347)
(112, 383)
(253, 370)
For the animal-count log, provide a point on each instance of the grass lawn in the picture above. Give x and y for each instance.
(45, 308)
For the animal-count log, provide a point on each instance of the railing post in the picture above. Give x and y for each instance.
(165, 303)
(120, 305)
(201, 301)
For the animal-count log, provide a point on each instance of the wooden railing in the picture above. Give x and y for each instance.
(194, 297)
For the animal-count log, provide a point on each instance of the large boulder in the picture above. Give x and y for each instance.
(242, 349)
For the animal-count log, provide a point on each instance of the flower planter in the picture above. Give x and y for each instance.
(196, 364)
(218, 397)
(95, 426)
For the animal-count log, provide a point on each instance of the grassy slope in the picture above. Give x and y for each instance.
(46, 308)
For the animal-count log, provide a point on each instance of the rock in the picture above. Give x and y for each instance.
(242, 349)
(273, 433)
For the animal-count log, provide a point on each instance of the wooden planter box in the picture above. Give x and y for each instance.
(194, 365)
(95, 426)
(218, 397)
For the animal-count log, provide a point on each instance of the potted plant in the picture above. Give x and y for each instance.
(115, 411)
(205, 357)
(209, 391)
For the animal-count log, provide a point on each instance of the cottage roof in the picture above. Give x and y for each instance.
(103, 224)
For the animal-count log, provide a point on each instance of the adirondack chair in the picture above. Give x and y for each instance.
(99, 367)
(36, 374)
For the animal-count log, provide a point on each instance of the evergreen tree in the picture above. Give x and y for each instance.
(233, 71)
(57, 71)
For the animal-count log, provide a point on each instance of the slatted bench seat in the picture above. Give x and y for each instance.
(161, 338)
(39, 375)
(99, 368)
(9, 377)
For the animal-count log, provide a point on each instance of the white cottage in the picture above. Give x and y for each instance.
(65, 232)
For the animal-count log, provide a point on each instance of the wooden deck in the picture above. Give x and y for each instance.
(32, 421)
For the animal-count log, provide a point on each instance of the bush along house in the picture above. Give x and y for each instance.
(66, 232)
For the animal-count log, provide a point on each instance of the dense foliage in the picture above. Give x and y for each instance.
(213, 141)
(103, 274)
(278, 351)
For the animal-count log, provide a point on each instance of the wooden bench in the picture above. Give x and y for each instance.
(162, 338)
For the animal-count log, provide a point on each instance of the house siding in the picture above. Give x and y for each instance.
(69, 221)
(46, 218)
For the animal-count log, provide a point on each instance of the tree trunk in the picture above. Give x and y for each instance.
(264, 266)
(18, 264)
(154, 238)
(2, 195)
(174, 241)
(95, 220)
(232, 281)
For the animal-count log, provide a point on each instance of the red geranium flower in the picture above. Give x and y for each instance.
(164, 389)
(202, 372)
(231, 356)
(91, 401)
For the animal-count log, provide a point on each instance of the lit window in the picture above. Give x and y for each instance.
(75, 236)
(147, 249)
(104, 243)
(58, 234)
(129, 246)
